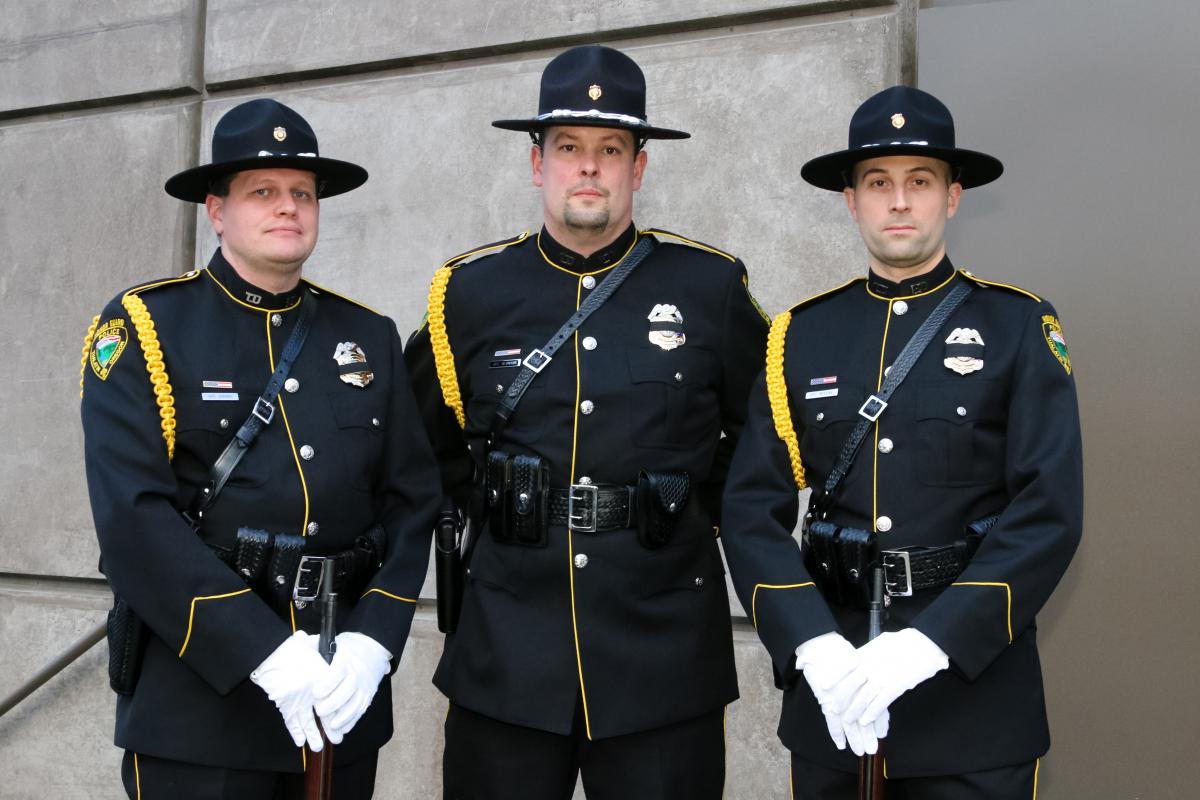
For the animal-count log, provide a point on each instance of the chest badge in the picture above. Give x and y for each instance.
(964, 351)
(666, 327)
(352, 365)
(107, 346)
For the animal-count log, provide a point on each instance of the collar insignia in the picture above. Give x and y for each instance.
(352, 365)
(964, 351)
(666, 327)
(107, 346)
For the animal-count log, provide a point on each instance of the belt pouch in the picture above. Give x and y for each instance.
(363, 560)
(530, 492)
(661, 498)
(126, 641)
(857, 553)
(820, 558)
(250, 554)
(498, 496)
(281, 576)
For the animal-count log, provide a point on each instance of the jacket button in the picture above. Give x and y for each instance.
(962, 412)
(306, 452)
(678, 377)
(291, 386)
(581, 561)
(883, 524)
(900, 308)
(276, 320)
(375, 421)
(313, 528)
(587, 406)
(885, 446)
(589, 282)
(699, 582)
(224, 423)
(589, 343)
(820, 416)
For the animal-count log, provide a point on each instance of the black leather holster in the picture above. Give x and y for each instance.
(661, 499)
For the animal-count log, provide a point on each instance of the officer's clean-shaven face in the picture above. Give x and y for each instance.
(268, 224)
(901, 204)
(587, 176)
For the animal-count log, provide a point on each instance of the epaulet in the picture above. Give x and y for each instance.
(827, 294)
(463, 258)
(692, 242)
(322, 290)
(994, 284)
(160, 283)
(781, 410)
(435, 318)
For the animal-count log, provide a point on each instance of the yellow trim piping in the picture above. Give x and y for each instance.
(1007, 589)
(754, 301)
(87, 350)
(754, 596)
(388, 594)
(1008, 286)
(288, 429)
(791, 781)
(887, 326)
(1037, 766)
(247, 305)
(692, 242)
(781, 411)
(458, 259)
(546, 258)
(350, 300)
(587, 723)
(908, 296)
(192, 613)
(439, 343)
(139, 315)
(137, 776)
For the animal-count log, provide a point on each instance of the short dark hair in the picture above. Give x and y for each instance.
(219, 185)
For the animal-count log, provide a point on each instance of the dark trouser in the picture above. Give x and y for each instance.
(149, 778)
(486, 759)
(813, 782)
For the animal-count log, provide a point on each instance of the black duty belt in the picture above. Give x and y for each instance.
(910, 569)
(593, 508)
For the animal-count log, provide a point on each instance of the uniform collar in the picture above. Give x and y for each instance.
(909, 287)
(246, 293)
(603, 258)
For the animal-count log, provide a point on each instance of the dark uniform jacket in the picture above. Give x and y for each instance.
(637, 638)
(950, 449)
(174, 368)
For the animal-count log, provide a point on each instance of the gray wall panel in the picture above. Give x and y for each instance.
(84, 218)
(252, 38)
(62, 51)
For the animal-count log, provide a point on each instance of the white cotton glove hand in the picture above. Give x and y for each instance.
(889, 666)
(343, 695)
(287, 676)
(826, 661)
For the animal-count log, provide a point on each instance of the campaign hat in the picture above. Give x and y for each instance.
(901, 121)
(595, 86)
(265, 134)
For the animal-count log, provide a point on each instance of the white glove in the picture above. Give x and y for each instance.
(287, 676)
(343, 695)
(889, 666)
(827, 660)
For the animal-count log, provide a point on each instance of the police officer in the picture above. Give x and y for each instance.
(228, 674)
(984, 423)
(594, 636)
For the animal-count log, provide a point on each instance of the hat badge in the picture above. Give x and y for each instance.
(897, 121)
(280, 133)
(594, 91)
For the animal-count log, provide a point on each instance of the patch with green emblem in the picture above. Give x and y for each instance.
(1056, 341)
(107, 346)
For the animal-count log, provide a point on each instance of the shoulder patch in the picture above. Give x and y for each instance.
(108, 343)
(828, 293)
(1056, 341)
(692, 242)
(462, 258)
(1016, 289)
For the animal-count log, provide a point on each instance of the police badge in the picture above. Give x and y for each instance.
(964, 351)
(352, 364)
(666, 324)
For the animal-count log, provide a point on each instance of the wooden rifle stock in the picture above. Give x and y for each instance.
(318, 767)
(870, 767)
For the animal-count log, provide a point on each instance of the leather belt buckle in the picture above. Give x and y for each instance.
(307, 587)
(268, 412)
(872, 408)
(537, 360)
(897, 573)
(585, 520)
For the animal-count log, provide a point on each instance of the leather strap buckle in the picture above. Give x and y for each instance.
(897, 573)
(585, 521)
(537, 360)
(267, 415)
(872, 408)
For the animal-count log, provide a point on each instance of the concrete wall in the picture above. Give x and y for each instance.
(100, 102)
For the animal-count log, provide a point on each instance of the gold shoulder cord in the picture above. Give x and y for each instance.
(439, 341)
(139, 315)
(777, 393)
(87, 347)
